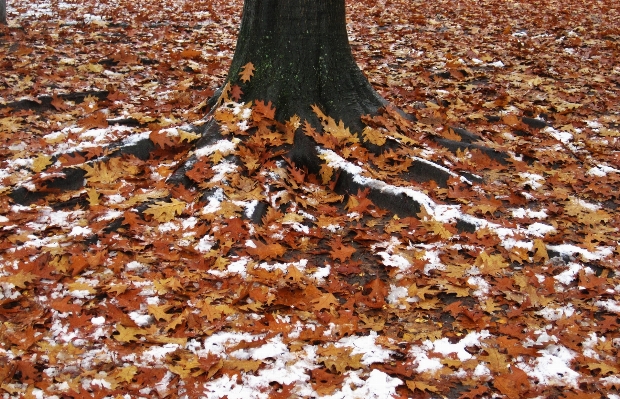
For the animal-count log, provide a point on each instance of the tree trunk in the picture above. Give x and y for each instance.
(302, 57)
(3, 12)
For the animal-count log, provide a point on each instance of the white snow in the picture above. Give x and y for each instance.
(141, 319)
(444, 347)
(225, 147)
(552, 314)
(372, 353)
(553, 367)
(421, 360)
(564, 137)
(570, 249)
(610, 305)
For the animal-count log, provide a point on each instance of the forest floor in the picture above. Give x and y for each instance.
(129, 288)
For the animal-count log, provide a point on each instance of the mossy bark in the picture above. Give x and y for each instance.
(301, 54)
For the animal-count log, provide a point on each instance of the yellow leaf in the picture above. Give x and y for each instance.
(394, 226)
(93, 196)
(540, 251)
(165, 339)
(375, 323)
(96, 68)
(326, 173)
(242, 365)
(318, 112)
(461, 292)
(40, 163)
(339, 358)
(177, 321)
(187, 136)
(608, 132)
(294, 275)
(339, 131)
(421, 386)
(166, 211)
(490, 264)
(217, 157)
(450, 134)
(292, 218)
(374, 136)
(20, 279)
(125, 374)
(128, 334)
(142, 197)
(159, 312)
(184, 368)
(604, 367)
(109, 172)
(498, 362)
(82, 287)
(438, 229)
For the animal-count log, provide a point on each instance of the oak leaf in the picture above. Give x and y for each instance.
(373, 136)
(247, 71)
(421, 386)
(266, 251)
(236, 93)
(20, 279)
(187, 136)
(540, 251)
(496, 360)
(159, 312)
(40, 163)
(191, 53)
(263, 111)
(164, 211)
(325, 301)
(604, 368)
(128, 334)
(339, 358)
(96, 120)
(324, 382)
(341, 252)
(92, 196)
(163, 139)
(242, 365)
(102, 172)
(491, 264)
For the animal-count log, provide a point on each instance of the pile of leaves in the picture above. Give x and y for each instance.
(131, 287)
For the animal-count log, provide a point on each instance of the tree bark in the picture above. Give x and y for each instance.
(3, 12)
(302, 57)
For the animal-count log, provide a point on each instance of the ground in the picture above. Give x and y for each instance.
(504, 284)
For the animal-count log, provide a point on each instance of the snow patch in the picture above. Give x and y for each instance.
(553, 367)
(444, 346)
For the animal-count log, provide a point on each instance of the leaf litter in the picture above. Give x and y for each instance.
(328, 295)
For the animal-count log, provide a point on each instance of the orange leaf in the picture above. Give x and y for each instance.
(266, 251)
(95, 120)
(59, 103)
(247, 71)
(263, 111)
(191, 53)
(340, 251)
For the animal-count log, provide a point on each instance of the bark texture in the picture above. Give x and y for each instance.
(302, 56)
(3, 12)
